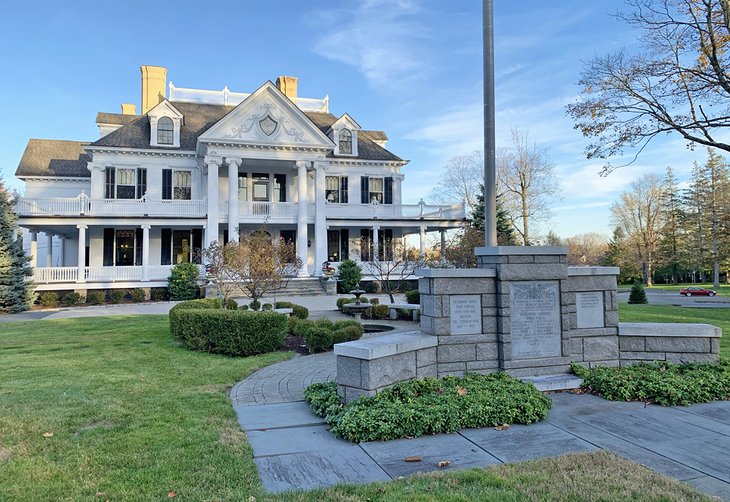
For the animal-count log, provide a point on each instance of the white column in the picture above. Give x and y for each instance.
(376, 243)
(302, 237)
(145, 253)
(423, 242)
(443, 245)
(81, 277)
(211, 235)
(49, 250)
(61, 251)
(320, 219)
(34, 248)
(233, 164)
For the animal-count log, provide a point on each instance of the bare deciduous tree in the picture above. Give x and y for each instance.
(257, 265)
(586, 249)
(461, 180)
(397, 265)
(526, 183)
(677, 83)
(639, 213)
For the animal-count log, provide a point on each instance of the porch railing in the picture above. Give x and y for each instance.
(47, 275)
(80, 206)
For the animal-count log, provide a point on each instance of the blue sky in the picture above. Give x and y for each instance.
(411, 68)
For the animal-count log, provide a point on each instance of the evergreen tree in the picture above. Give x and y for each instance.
(637, 295)
(671, 245)
(505, 231)
(695, 200)
(16, 291)
(717, 208)
(619, 255)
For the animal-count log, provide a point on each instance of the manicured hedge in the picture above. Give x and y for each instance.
(201, 325)
(297, 310)
(661, 383)
(322, 334)
(430, 406)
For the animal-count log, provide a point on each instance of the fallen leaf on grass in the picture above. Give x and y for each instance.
(502, 427)
(47, 434)
(413, 459)
(443, 463)
(101, 494)
(461, 391)
(171, 494)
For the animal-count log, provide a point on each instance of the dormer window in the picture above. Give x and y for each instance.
(345, 141)
(165, 131)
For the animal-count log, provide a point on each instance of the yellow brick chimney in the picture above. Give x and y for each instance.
(287, 85)
(154, 81)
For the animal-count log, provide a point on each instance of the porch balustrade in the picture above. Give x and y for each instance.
(80, 206)
(48, 275)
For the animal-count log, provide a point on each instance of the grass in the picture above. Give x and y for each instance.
(719, 317)
(136, 417)
(723, 291)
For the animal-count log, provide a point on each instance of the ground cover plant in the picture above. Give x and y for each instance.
(661, 383)
(136, 417)
(430, 406)
(667, 313)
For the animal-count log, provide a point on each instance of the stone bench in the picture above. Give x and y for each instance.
(286, 311)
(673, 342)
(369, 365)
(414, 308)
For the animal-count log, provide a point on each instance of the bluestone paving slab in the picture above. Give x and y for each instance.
(318, 469)
(526, 442)
(272, 416)
(711, 486)
(454, 448)
(294, 440)
(719, 410)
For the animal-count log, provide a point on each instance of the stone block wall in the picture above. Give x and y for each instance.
(678, 343)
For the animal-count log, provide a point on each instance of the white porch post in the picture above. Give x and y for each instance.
(211, 235)
(233, 164)
(443, 245)
(61, 251)
(320, 219)
(49, 250)
(376, 243)
(145, 253)
(422, 251)
(34, 248)
(81, 277)
(302, 237)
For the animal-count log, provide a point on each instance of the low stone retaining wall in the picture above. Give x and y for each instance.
(367, 366)
(673, 342)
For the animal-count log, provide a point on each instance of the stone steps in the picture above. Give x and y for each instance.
(303, 287)
(554, 382)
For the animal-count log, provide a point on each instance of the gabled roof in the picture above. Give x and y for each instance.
(201, 117)
(51, 157)
(115, 118)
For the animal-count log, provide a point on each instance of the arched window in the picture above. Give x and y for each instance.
(164, 131)
(345, 141)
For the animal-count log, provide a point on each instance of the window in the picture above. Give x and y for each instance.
(180, 246)
(177, 185)
(376, 190)
(182, 182)
(336, 189)
(345, 141)
(385, 244)
(165, 131)
(261, 187)
(338, 244)
(125, 183)
(242, 186)
(280, 188)
(122, 248)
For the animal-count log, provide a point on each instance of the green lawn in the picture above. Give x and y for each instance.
(719, 317)
(136, 417)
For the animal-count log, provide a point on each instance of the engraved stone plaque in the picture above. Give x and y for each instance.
(589, 309)
(535, 319)
(466, 314)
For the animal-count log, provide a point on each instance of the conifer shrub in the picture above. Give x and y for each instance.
(183, 282)
(638, 294)
(95, 297)
(350, 274)
(49, 299)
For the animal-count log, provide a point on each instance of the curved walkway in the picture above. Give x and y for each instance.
(284, 382)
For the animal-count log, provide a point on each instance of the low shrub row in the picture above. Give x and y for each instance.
(429, 406)
(52, 299)
(203, 326)
(659, 382)
(322, 334)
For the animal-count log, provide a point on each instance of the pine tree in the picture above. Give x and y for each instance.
(671, 245)
(16, 291)
(637, 295)
(505, 231)
(717, 207)
(695, 200)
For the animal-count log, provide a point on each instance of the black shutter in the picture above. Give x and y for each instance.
(166, 246)
(110, 177)
(388, 197)
(197, 245)
(281, 181)
(138, 247)
(167, 184)
(343, 190)
(364, 190)
(141, 183)
(108, 259)
(344, 243)
(225, 236)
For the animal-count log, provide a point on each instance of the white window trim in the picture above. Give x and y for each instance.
(353, 133)
(173, 186)
(176, 123)
(381, 192)
(339, 189)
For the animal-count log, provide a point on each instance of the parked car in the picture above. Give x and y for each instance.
(693, 291)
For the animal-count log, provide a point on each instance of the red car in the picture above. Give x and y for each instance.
(692, 291)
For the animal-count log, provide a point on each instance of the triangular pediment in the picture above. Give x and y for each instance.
(267, 117)
(166, 109)
(346, 122)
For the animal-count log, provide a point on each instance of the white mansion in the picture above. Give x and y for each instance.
(200, 166)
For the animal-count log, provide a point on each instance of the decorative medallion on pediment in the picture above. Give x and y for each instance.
(268, 125)
(272, 123)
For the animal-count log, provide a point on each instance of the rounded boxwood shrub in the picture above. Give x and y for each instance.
(344, 301)
(297, 310)
(374, 301)
(183, 282)
(222, 331)
(95, 297)
(266, 307)
(137, 294)
(117, 295)
(71, 298)
(318, 338)
(159, 294)
(380, 312)
(49, 299)
(255, 305)
(413, 296)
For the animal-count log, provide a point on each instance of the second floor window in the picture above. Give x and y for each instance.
(345, 141)
(336, 189)
(376, 190)
(176, 185)
(125, 183)
(165, 131)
